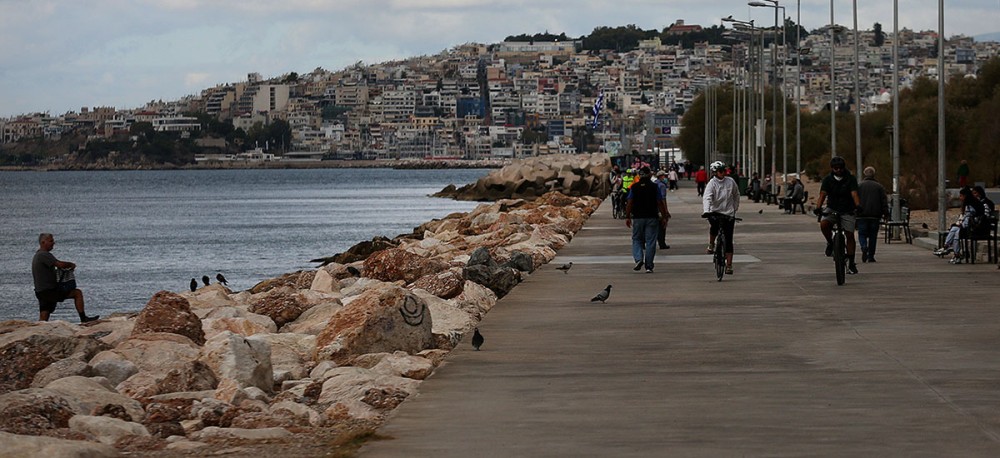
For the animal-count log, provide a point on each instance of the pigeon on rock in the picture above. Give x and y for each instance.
(194, 285)
(603, 295)
(204, 279)
(477, 339)
(565, 267)
(221, 279)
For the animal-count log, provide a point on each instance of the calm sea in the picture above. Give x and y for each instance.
(133, 233)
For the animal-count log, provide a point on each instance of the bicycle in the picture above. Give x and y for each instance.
(719, 250)
(839, 244)
(617, 205)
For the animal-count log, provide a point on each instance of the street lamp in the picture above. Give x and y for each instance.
(748, 27)
(833, 87)
(774, 89)
(857, 93)
(798, 87)
(941, 75)
(896, 205)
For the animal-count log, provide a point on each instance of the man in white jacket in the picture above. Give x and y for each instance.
(722, 196)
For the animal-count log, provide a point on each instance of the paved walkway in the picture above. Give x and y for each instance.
(776, 360)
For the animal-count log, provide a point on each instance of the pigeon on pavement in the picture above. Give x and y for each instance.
(194, 285)
(565, 267)
(221, 279)
(603, 295)
(204, 279)
(761, 212)
(477, 339)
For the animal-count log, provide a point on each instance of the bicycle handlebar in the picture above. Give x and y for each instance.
(711, 215)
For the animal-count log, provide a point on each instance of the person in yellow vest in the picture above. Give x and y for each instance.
(628, 179)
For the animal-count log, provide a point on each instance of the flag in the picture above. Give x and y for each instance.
(597, 110)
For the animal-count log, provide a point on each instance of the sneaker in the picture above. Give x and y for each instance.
(638, 265)
(710, 249)
(852, 268)
(829, 249)
(649, 271)
(871, 259)
(729, 270)
(664, 247)
(90, 318)
(956, 260)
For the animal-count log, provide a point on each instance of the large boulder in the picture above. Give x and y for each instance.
(15, 445)
(107, 430)
(363, 393)
(281, 305)
(397, 264)
(34, 412)
(246, 361)
(446, 284)
(85, 394)
(30, 349)
(169, 312)
(378, 320)
(573, 175)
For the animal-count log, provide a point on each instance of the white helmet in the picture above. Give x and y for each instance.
(716, 166)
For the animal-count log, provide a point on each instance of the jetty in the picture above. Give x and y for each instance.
(775, 360)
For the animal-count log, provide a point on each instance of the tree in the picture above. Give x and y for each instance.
(879, 35)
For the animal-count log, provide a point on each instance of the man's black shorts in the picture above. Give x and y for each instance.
(48, 299)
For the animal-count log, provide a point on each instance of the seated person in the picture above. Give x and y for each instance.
(972, 214)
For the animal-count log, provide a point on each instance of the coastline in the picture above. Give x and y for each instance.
(333, 164)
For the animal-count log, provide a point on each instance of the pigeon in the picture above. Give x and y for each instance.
(760, 212)
(194, 285)
(565, 267)
(221, 279)
(353, 271)
(923, 225)
(477, 339)
(603, 295)
(204, 279)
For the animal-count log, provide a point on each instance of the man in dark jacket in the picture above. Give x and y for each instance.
(874, 206)
(645, 211)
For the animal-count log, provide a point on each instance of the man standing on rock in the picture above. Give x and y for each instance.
(43, 269)
(645, 211)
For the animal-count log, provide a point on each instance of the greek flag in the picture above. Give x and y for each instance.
(597, 110)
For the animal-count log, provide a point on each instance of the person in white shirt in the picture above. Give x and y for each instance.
(721, 197)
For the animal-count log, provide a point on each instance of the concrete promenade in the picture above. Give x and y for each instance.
(776, 360)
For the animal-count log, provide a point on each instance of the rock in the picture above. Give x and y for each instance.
(115, 370)
(450, 323)
(85, 394)
(26, 353)
(281, 305)
(363, 250)
(107, 430)
(15, 445)
(569, 174)
(298, 411)
(389, 319)
(243, 360)
(210, 297)
(33, 412)
(363, 392)
(500, 280)
(291, 354)
(169, 312)
(475, 300)
(520, 261)
(397, 264)
(445, 285)
(403, 365)
(314, 320)
(295, 280)
(62, 368)
(247, 325)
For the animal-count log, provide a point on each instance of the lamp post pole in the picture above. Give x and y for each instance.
(857, 94)
(798, 88)
(942, 201)
(896, 205)
(774, 89)
(833, 87)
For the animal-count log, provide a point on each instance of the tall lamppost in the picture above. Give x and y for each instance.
(833, 87)
(857, 93)
(896, 205)
(748, 26)
(774, 87)
(941, 76)
(798, 87)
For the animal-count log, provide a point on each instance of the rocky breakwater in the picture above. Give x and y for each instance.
(572, 175)
(297, 357)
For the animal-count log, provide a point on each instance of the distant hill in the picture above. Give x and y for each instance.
(995, 36)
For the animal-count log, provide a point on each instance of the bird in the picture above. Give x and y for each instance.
(477, 339)
(194, 285)
(565, 267)
(353, 271)
(221, 279)
(760, 212)
(603, 295)
(923, 225)
(204, 279)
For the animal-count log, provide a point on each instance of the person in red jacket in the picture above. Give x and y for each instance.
(701, 179)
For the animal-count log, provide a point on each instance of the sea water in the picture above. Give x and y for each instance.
(133, 233)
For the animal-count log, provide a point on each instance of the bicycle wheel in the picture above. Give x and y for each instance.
(840, 257)
(719, 257)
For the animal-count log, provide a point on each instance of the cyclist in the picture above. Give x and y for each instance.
(721, 195)
(839, 191)
(615, 179)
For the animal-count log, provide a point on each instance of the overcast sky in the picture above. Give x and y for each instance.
(61, 55)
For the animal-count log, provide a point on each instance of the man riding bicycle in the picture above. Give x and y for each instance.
(721, 195)
(839, 191)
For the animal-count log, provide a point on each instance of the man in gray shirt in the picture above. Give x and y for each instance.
(43, 269)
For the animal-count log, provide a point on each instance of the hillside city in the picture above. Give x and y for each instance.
(506, 100)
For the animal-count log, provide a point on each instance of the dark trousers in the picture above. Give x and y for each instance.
(867, 236)
(661, 236)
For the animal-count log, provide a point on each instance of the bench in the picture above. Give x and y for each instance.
(970, 243)
(789, 205)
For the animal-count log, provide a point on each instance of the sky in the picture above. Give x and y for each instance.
(61, 55)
